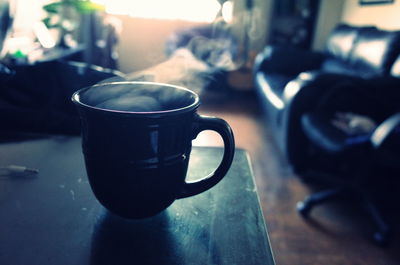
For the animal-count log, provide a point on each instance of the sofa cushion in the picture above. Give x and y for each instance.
(272, 86)
(338, 67)
(341, 41)
(337, 133)
(375, 51)
(278, 82)
(395, 70)
(319, 128)
(288, 60)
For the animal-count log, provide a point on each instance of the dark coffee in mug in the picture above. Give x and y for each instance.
(136, 141)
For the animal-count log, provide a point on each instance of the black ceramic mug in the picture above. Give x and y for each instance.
(136, 140)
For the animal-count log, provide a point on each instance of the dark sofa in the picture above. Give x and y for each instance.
(37, 98)
(359, 70)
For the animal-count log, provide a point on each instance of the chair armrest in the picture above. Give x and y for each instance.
(287, 60)
(302, 95)
(309, 87)
(384, 130)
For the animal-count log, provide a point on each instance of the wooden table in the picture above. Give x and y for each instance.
(53, 217)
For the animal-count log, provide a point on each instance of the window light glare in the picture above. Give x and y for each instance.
(189, 10)
(227, 11)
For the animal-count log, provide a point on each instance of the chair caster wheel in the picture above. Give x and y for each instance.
(381, 238)
(303, 208)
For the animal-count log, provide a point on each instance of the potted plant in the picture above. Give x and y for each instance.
(64, 16)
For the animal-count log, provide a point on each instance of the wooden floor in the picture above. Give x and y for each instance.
(333, 235)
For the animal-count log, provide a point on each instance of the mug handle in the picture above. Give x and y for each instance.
(220, 126)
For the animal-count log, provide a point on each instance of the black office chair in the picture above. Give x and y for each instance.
(348, 159)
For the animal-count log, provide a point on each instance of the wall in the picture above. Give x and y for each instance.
(329, 15)
(142, 41)
(385, 16)
(28, 12)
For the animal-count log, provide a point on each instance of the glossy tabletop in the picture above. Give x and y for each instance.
(53, 217)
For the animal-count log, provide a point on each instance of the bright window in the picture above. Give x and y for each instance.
(189, 10)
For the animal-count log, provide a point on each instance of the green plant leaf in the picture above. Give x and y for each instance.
(47, 21)
(86, 7)
(49, 24)
(53, 8)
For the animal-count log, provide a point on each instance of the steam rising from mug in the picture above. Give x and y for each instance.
(144, 98)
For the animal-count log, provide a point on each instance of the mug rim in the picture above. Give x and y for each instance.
(76, 98)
